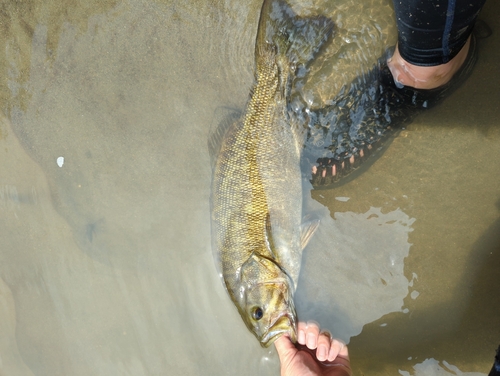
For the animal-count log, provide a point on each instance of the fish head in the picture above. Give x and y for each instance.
(266, 304)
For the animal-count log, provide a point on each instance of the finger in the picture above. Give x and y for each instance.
(307, 333)
(312, 334)
(301, 332)
(344, 351)
(337, 348)
(323, 349)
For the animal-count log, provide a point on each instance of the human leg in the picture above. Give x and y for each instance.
(433, 40)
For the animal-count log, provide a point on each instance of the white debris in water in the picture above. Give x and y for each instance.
(384, 324)
(414, 294)
(392, 260)
(60, 161)
(413, 278)
(343, 199)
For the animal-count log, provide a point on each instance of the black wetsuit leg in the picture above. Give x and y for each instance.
(495, 370)
(432, 32)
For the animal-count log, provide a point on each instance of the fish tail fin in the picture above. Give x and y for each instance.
(284, 33)
(308, 36)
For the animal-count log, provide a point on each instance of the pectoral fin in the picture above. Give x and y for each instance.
(269, 238)
(289, 258)
(307, 230)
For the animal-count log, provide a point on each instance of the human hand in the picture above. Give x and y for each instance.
(315, 354)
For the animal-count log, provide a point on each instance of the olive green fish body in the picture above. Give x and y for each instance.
(256, 192)
(255, 205)
(257, 180)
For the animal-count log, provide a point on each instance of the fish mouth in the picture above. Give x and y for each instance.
(284, 324)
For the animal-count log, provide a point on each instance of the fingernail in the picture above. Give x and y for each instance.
(302, 337)
(311, 341)
(331, 355)
(321, 354)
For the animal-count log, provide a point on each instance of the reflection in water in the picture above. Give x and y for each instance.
(431, 367)
(105, 262)
(355, 252)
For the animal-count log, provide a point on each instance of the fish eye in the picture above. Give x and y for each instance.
(257, 313)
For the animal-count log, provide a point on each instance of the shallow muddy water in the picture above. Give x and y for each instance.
(105, 259)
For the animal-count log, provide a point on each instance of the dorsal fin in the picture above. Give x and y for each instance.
(223, 118)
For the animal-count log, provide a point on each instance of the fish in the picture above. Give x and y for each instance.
(258, 228)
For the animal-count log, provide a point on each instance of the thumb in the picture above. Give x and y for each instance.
(285, 348)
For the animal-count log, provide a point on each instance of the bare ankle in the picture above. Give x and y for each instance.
(421, 77)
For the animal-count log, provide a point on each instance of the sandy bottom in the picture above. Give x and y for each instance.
(105, 259)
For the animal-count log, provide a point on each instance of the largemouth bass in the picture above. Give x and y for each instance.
(257, 222)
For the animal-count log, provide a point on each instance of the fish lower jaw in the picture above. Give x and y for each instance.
(283, 326)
